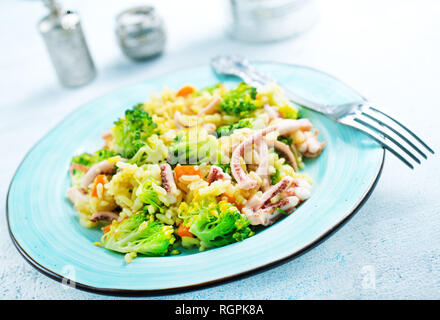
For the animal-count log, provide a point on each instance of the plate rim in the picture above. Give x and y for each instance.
(154, 292)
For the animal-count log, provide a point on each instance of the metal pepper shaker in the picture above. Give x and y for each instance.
(64, 38)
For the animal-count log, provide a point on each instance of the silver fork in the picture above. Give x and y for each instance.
(361, 115)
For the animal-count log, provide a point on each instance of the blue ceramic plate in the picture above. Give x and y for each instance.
(45, 228)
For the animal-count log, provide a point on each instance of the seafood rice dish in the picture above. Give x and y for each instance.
(195, 167)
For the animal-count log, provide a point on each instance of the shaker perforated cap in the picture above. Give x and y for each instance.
(140, 32)
(67, 47)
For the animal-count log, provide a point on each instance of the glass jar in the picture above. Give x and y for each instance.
(271, 20)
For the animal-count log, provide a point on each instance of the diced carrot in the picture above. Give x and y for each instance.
(232, 200)
(184, 91)
(183, 231)
(106, 228)
(98, 180)
(187, 171)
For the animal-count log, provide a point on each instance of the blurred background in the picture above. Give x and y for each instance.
(387, 50)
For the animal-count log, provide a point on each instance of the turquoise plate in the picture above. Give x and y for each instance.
(45, 229)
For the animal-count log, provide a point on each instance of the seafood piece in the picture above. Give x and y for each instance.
(103, 167)
(77, 166)
(76, 194)
(217, 173)
(257, 201)
(259, 208)
(104, 215)
(268, 215)
(272, 112)
(300, 189)
(282, 127)
(168, 182)
(243, 179)
(263, 167)
(286, 152)
(311, 147)
(178, 121)
(287, 126)
(211, 107)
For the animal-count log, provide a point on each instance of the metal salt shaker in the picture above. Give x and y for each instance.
(140, 32)
(64, 38)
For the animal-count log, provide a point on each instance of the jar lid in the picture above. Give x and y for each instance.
(138, 19)
(140, 31)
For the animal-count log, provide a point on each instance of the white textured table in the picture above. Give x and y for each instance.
(388, 50)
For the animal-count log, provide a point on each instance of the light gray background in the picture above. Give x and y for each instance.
(387, 50)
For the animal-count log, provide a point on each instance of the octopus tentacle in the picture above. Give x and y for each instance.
(166, 174)
(104, 215)
(257, 202)
(286, 151)
(217, 173)
(300, 189)
(263, 167)
(283, 127)
(168, 182)
(211, 107)
(77, 166)
(287, 126)
(103, 167)
(178, 121)
(243, 179)
(269, 214)
(76, 194)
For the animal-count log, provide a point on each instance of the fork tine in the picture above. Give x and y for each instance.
(396, 132)
(404, 127)
(375, 136)
(386, 135)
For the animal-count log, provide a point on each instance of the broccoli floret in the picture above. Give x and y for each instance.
(276, 177)
(240, 101)
(103, 154)
(193, 148)
(225, 167)
(285, 140)
(227, 130)
(149, 196)
(218, 224)
(153, 151)
(87, 160)
(274, 96)
(131, 132)
(141, 235)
